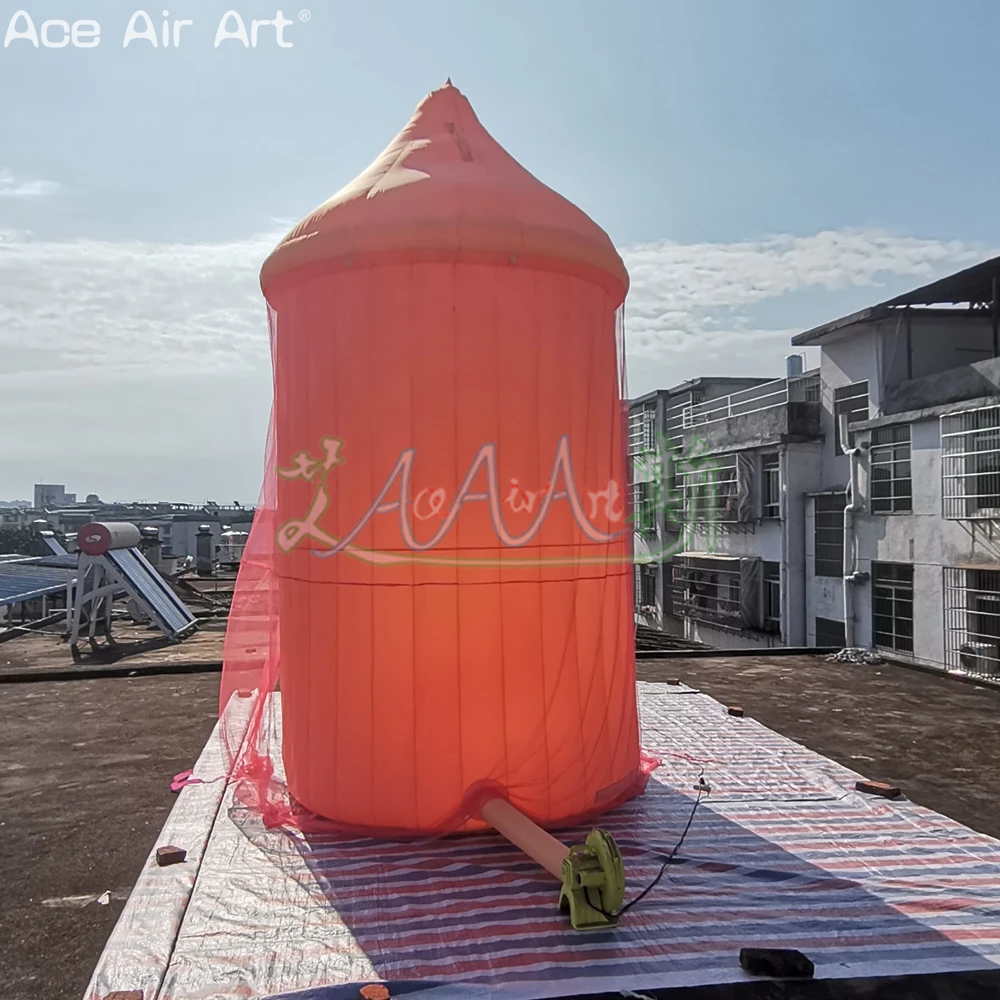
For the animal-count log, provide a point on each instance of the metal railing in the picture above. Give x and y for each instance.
(800, 389)
(972, 621)
(707, 589)
(642, 431)
(970, 464)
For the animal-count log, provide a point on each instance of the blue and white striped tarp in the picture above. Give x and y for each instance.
(782, 853)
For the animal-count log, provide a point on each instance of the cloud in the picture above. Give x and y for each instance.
(11, 187)
(123, 309)
(702, 302)
(159, 352)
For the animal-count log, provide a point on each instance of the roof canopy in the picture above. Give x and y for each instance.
(977, 284)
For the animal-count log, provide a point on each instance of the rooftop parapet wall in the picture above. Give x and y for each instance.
(956, 385)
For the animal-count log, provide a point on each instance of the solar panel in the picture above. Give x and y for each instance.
(163, 605)
(24, 583)
(67, 560)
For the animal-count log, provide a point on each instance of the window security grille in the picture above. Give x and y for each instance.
(892, 606)
(720, 591)
(891, 485)
(642, 431)
(851, 400)
(645, 587)
(719, 490)
(970, 464)
(643, 507)
(972, 621)
(770, 505)
(828, 533)
(830, 633)
(772, 597)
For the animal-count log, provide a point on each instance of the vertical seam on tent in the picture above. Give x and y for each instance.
(414, 759)
(599, 738)
(627, 560)
(540, 570)
(310, 596)
(458, 532)
(373, 676)
(496, 476)
(574, 629)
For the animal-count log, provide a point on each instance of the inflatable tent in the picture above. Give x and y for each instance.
(440, 571)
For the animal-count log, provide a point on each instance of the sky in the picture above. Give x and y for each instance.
(762, 168)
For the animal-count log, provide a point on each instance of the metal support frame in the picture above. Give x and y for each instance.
(96, 591)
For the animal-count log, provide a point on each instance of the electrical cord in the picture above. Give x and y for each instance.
(703, 789)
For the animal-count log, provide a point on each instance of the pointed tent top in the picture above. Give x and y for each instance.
(444, 186)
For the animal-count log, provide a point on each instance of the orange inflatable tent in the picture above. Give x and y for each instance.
(440, 574)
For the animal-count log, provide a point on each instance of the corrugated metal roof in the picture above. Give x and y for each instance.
(974, 284)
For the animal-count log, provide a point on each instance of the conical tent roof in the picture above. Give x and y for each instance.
(446, 187)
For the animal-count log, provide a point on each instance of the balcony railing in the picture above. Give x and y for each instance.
(800, 389)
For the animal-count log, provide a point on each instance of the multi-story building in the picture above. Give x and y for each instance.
(656, 444)
(858, 504)
(750, 458)
(52, 495)
(916, 379)
(178, 523)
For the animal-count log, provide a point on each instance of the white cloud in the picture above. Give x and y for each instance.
(119, 309)
(178, 332)
(11, 187)
(692, 304)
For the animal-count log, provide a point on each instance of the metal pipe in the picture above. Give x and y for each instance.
(850, 556)
(528, 836)
(995, 310)
(785, 564)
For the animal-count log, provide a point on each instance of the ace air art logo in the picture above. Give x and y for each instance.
(151, 30)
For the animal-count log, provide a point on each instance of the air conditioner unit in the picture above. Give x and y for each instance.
(979, 657)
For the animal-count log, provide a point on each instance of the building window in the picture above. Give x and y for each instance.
(892, 606)
(829, 534)
(712, 492)
(972, 620)
(643, 508)
(772, 597)
(892, 487)
(642, 430)
(707, 589)
(770, 487)
(970, 463)
(830, 633)
(645, 587)
(851, 400)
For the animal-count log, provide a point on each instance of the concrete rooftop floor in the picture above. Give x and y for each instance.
(85, 769)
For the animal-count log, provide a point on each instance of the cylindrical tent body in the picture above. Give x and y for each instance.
(453, 545)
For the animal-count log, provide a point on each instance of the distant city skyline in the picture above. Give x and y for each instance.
(761, 171)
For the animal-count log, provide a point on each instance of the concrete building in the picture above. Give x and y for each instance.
(656, 446)
(177, 523)
(751, 456)
(52, 495)
(917, 379)
(858, 504)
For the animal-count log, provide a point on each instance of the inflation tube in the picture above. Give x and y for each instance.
(592, 876)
